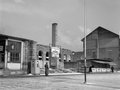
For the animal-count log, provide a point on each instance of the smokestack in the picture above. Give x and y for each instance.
(54, 34)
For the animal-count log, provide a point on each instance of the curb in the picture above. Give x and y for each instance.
(63, 74)
(51, 74)
(30, 75)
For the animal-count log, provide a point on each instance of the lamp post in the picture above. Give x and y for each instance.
(85, 79)
(119, 44)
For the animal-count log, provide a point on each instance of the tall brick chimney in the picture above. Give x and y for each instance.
(54, 34)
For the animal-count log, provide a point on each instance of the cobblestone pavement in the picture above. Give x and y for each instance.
(71, 82)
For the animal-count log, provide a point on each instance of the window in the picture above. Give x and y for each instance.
(1, 57)
(65, 57)
(47, 55)
(40, 55)
(15, 57)
(69, 58)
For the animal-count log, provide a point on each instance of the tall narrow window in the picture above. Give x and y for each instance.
(47, 55)
(65, 57)
(14, 51)
(40, 55)
(69, 58)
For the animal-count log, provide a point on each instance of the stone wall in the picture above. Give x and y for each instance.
(45, 49)
(29, 53)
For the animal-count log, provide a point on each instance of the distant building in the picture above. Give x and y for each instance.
(44, 55)
(103, 44)
(75, 64)
(77, 56)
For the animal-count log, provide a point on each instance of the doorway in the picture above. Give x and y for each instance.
(2, 54)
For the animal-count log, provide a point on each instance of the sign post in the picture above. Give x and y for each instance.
(55, 51)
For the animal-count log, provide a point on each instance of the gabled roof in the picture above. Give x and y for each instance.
(13, 37)
(97, 29)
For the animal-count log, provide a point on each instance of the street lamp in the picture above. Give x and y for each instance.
(85, 79)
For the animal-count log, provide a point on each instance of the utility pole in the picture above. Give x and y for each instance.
(85, 79)
(97, 45)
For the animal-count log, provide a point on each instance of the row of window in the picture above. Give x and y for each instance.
(15, 57)
(40, 56)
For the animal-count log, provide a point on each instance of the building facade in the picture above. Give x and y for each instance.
(103, 44)
(44, 55)
(15, 54)
(22, 56)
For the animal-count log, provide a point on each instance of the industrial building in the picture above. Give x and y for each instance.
(102, 48)
(44, 55)
(22, 56)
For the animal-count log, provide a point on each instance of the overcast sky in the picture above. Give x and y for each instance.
(32, 19)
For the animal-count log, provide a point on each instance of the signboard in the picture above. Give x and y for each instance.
(101, 69)
(55, 51)
(1, 48)
(53, 61)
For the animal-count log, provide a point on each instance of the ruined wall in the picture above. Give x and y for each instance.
(46, 49)
(29, 53)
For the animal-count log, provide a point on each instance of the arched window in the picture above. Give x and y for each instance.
(47, 55)
(69, 58)
(65, 57)
(40, 55)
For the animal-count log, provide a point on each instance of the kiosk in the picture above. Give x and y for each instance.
(35, 67)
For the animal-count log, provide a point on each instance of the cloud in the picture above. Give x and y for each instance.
(19, 1)
(77, 44)
(82, 29)
(63, 38)
(7, 7)
(48, 26)
(31, 11)
(119, 33)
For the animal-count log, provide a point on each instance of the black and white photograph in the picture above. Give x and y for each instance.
(59, 44)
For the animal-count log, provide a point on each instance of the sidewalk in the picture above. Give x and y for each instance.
(53, 74)
(31, 75)
(56, 74)
(61, 74)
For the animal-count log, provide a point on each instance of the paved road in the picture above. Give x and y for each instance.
(71, 82)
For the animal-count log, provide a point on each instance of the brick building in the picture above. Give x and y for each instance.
(77, 56)
(104, 45)
(17, 55)
(44, 55)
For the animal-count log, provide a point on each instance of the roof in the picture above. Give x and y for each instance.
(97, 29)
(103, 62)
(14, 37)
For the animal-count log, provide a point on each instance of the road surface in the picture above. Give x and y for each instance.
(109, 81)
